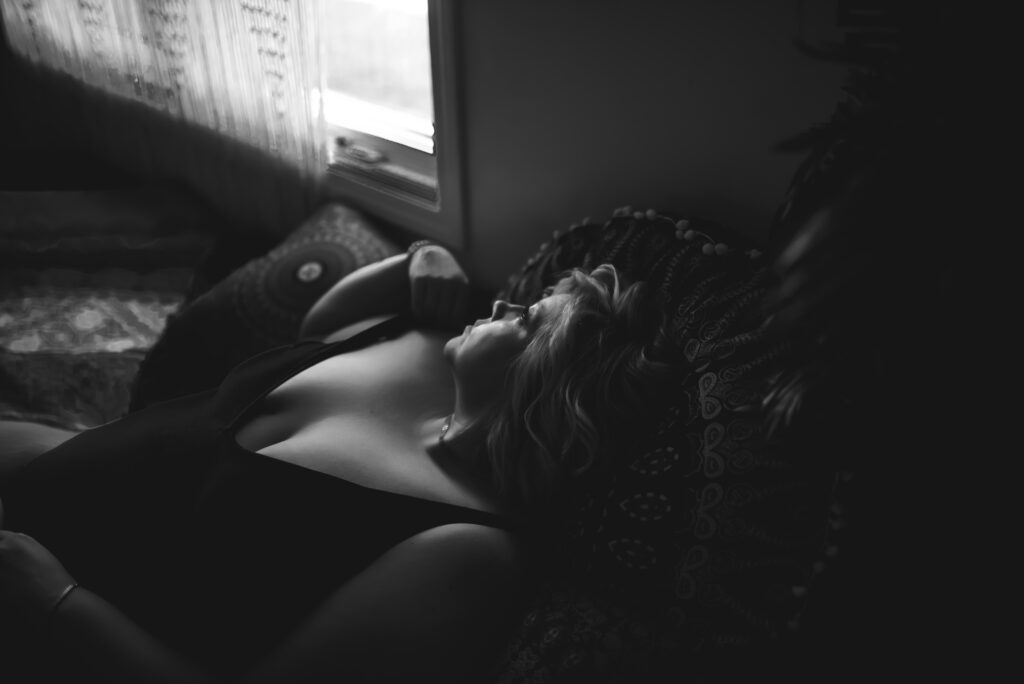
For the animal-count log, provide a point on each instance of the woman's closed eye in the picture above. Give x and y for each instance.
(528, 311)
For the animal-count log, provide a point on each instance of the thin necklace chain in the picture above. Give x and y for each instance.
(444, 429)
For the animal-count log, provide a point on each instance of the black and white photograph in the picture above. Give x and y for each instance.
(492, 342)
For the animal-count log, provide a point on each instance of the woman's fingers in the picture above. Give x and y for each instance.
(431, 299)
(440, 301)
(419, 296)
(450, 301)
(457, 302)
(438, 286)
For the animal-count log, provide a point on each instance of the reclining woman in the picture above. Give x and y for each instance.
(364, 504)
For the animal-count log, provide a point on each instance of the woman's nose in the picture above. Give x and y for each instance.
(503, 308)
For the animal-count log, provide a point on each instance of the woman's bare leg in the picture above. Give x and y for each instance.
(21, 441)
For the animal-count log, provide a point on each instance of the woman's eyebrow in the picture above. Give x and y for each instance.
(532, 320)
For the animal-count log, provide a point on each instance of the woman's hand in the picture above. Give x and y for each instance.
(439, 288)
(31, 579)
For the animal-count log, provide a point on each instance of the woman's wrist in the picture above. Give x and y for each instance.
(55, 608)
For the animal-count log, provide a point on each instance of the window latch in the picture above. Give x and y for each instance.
(361, 153)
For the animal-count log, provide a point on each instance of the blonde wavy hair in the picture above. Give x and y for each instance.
(578, 390)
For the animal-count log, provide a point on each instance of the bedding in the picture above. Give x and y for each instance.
(138, 229)
(71, 343)
(88, 279)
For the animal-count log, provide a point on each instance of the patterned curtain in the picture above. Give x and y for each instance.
(243, 73)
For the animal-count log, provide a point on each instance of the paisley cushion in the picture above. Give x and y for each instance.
(257, 306)
(699, 552)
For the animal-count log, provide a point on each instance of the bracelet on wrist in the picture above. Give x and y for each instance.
(57, 604)
(418, 245)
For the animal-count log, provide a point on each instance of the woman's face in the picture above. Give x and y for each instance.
(482, 353)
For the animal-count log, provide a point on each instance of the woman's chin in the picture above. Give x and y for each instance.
(451, 345)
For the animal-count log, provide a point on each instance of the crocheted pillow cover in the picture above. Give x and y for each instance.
(695, 560)
(259, 305)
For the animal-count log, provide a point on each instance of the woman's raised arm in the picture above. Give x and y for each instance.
(429, 282)
(373, 290)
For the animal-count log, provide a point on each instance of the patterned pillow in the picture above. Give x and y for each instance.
(259, 305)
(697, 555)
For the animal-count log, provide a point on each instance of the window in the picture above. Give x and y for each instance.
(387, 89)
(378, 70)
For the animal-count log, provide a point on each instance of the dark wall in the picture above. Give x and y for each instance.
(573, 108)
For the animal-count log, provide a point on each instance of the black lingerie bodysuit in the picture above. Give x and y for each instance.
(215, 549)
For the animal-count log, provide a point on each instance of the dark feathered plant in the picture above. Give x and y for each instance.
(863, 241)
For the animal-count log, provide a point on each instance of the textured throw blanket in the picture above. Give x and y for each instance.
(69, 352)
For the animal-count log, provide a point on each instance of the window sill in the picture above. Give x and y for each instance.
(404, 196)
(385, 164)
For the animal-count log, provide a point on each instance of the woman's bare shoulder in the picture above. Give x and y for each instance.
(483, 543)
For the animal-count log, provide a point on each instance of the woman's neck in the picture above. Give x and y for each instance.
(456, 440)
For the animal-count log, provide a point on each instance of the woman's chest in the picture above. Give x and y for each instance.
(365, 417)
(380, 395)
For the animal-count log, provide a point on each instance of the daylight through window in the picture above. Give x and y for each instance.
(378, 71)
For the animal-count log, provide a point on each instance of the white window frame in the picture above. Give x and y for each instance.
(442, 219)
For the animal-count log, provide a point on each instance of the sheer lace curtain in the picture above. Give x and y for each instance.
(216, 93)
